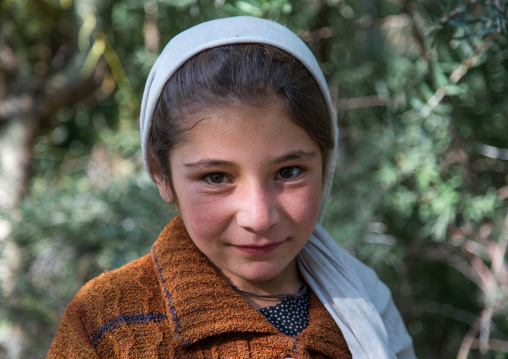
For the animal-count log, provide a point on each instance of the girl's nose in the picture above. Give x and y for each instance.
(257, 209)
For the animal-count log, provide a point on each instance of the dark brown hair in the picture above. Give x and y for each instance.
(236, 75)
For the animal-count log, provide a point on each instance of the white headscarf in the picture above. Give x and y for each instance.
(359, 302)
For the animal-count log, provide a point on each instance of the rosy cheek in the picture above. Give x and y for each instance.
(203, 216)
(303, 205)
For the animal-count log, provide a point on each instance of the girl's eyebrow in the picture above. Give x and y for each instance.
(297, 155)
(209, 164)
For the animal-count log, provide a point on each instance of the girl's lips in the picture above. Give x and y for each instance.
(258, 250)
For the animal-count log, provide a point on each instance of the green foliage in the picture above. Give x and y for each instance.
(415, 188)
(422, 180)
(72, 232)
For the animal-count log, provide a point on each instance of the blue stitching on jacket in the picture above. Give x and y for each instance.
(116, 322)
(168, 295)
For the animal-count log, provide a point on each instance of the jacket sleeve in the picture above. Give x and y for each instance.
(72, 339)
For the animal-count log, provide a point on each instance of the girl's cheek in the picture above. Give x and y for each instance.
(304, 206)
(204, 214)
(303, 203)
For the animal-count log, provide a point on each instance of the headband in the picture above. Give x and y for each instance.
(233, 30)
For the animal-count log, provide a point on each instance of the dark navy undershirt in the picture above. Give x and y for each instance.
(290, 316)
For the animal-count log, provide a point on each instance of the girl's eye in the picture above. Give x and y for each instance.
(288, 173)
(216, 178)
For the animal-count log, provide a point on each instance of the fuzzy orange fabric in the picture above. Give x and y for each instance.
(173, 304)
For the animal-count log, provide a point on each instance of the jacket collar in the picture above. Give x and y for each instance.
(201, 304)
(197, 298)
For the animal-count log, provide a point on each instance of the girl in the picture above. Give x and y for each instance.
(238, 131)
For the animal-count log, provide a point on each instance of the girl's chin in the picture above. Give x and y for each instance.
(254, 279)
(260, 276)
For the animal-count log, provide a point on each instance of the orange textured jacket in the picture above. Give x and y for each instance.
(173, 304)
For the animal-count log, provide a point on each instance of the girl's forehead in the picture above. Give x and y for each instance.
(226, 114)
(231, 130)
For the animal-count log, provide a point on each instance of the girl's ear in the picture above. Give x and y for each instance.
(164, 188)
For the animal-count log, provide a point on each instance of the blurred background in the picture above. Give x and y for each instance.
(421, 188)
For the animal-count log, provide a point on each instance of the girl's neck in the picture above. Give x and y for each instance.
(259, 301)
(287, 282)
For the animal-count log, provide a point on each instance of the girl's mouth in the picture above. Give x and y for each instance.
(259, 250)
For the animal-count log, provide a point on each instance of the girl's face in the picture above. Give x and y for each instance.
(248, 184)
